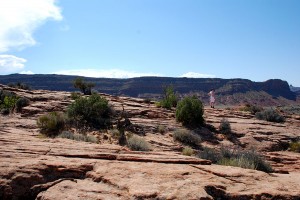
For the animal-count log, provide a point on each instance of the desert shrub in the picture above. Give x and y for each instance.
(234, 157)
(83, 86)
(270, 115)
(187, 151)
(93, 111)
(78, 137)
(4, 93)
(225, 127)
(8, 104)
(161, 129)
(237, 162)
(210, 154)
(253, 109)
(246, 159)
(21, 102)
(186, 137)
(189, 111)
(115, 133)
(137, 143)
(295, 146)
(169, 99)
(7, 101)
(51, 123)
(75, 95)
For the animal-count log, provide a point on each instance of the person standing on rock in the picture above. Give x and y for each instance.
(212, 98)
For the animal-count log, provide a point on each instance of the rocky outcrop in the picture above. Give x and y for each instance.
(35, 167)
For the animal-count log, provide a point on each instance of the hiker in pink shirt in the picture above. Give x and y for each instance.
(212, 98)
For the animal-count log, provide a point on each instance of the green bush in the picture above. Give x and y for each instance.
(187, 137)
(136, 143)
(295, 146)
(189, 111)
(93, 111)
(51, 123)
(170, 99)
(21, 102)
(187, 151)
(84, 87)
(78, 137)
(7, 101)
(245, 159)
(10, 102)
(225, 127)
(270, 115)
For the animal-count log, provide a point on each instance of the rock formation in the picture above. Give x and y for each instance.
(36, 167)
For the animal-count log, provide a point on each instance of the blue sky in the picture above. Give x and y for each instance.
(252, 39)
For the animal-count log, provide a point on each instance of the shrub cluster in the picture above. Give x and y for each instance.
(270, 115)
(253, 109)
(225, 127)
(93, 111)
(189, 111)
(245, 159)
(137, 143)
(51, 124)
(9, 101)
(78, 137)
(187, 137)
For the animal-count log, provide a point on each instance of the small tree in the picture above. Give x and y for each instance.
(189, 111)
(84, 87)
(170, 99)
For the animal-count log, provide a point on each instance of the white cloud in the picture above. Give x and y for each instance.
(110, 73)
(197, 75)
(19, 19)
(11, 63)
(26, 72)
(118, 73)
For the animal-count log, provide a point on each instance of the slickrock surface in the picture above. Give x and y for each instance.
(35, 167)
